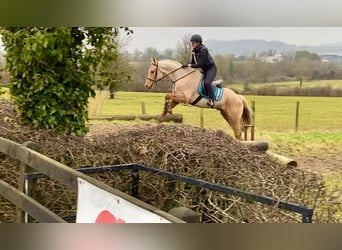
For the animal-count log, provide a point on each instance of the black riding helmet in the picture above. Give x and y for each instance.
(196, 38)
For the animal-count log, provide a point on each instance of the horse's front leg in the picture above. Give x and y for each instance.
(171, 100)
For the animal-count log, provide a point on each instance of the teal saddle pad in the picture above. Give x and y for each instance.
(218, 91)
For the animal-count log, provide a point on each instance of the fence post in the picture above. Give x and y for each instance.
(26, 186)
(250, 125)
(143, 108)
(201, 118)
(253, 120)
(245, 132)
(297, 116)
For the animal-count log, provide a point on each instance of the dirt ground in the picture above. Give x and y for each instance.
(326, 161)
(320, 163)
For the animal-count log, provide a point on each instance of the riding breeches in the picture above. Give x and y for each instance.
(209, 77)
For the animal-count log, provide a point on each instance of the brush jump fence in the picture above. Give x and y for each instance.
(30, 159)
(177, 118)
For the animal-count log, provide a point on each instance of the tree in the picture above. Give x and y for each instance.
(137, 55)
(120, 72)
(231, 70)
(225, 68)
(167, 54)
(300, 55)
(150, 52)
(220, 64)
(53, 72)
(183, 49)
(119, 68)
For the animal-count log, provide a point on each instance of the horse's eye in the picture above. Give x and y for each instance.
(152, 71)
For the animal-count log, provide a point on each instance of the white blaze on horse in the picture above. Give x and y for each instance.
(188, 90)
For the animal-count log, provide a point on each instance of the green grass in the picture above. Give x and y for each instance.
(131, 103)
(273, 113)
(304, 143)
(320, 118)
(4, 93)
(126, 103)
(278, 113)
(306, 84)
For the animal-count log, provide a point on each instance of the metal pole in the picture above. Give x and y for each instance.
(135, 182)
(307, 218)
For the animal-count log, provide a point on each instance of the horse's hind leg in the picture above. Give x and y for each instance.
(235, 124)
(237, 130)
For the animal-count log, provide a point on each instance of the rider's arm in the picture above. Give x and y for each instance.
(202, 57)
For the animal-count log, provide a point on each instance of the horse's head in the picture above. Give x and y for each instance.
(154, 74)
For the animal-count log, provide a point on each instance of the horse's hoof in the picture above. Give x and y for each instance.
(160, 120)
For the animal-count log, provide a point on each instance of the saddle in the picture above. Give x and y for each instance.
(218, 89)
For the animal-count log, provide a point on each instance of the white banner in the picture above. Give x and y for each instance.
(95, 205)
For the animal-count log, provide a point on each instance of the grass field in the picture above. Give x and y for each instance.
(319, 130)
(273, 113)
(279, 85)
(320, 118)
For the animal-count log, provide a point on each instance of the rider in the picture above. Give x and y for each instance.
(202, 59)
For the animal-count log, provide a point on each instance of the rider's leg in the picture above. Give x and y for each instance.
(210, 76)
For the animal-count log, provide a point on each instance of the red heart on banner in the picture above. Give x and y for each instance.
(107, 217)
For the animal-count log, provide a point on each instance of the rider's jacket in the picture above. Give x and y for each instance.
(201, 58)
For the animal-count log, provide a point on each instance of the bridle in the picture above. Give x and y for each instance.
(155, 80)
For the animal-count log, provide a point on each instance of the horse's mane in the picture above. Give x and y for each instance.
(178, 64)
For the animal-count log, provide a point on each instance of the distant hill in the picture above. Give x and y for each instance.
(249, 46)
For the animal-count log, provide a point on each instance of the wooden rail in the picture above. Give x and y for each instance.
(63, 174)
(177, 118)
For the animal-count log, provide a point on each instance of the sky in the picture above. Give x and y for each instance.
(163, 38)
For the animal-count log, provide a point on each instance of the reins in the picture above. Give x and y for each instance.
(166, 75)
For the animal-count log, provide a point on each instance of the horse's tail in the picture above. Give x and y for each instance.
(247, 114)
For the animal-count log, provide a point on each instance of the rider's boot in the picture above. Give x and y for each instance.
(211, 103)
(211, 95)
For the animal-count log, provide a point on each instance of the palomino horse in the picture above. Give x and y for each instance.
(233, 107)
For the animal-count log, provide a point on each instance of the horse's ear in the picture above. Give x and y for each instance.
(153, 60)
